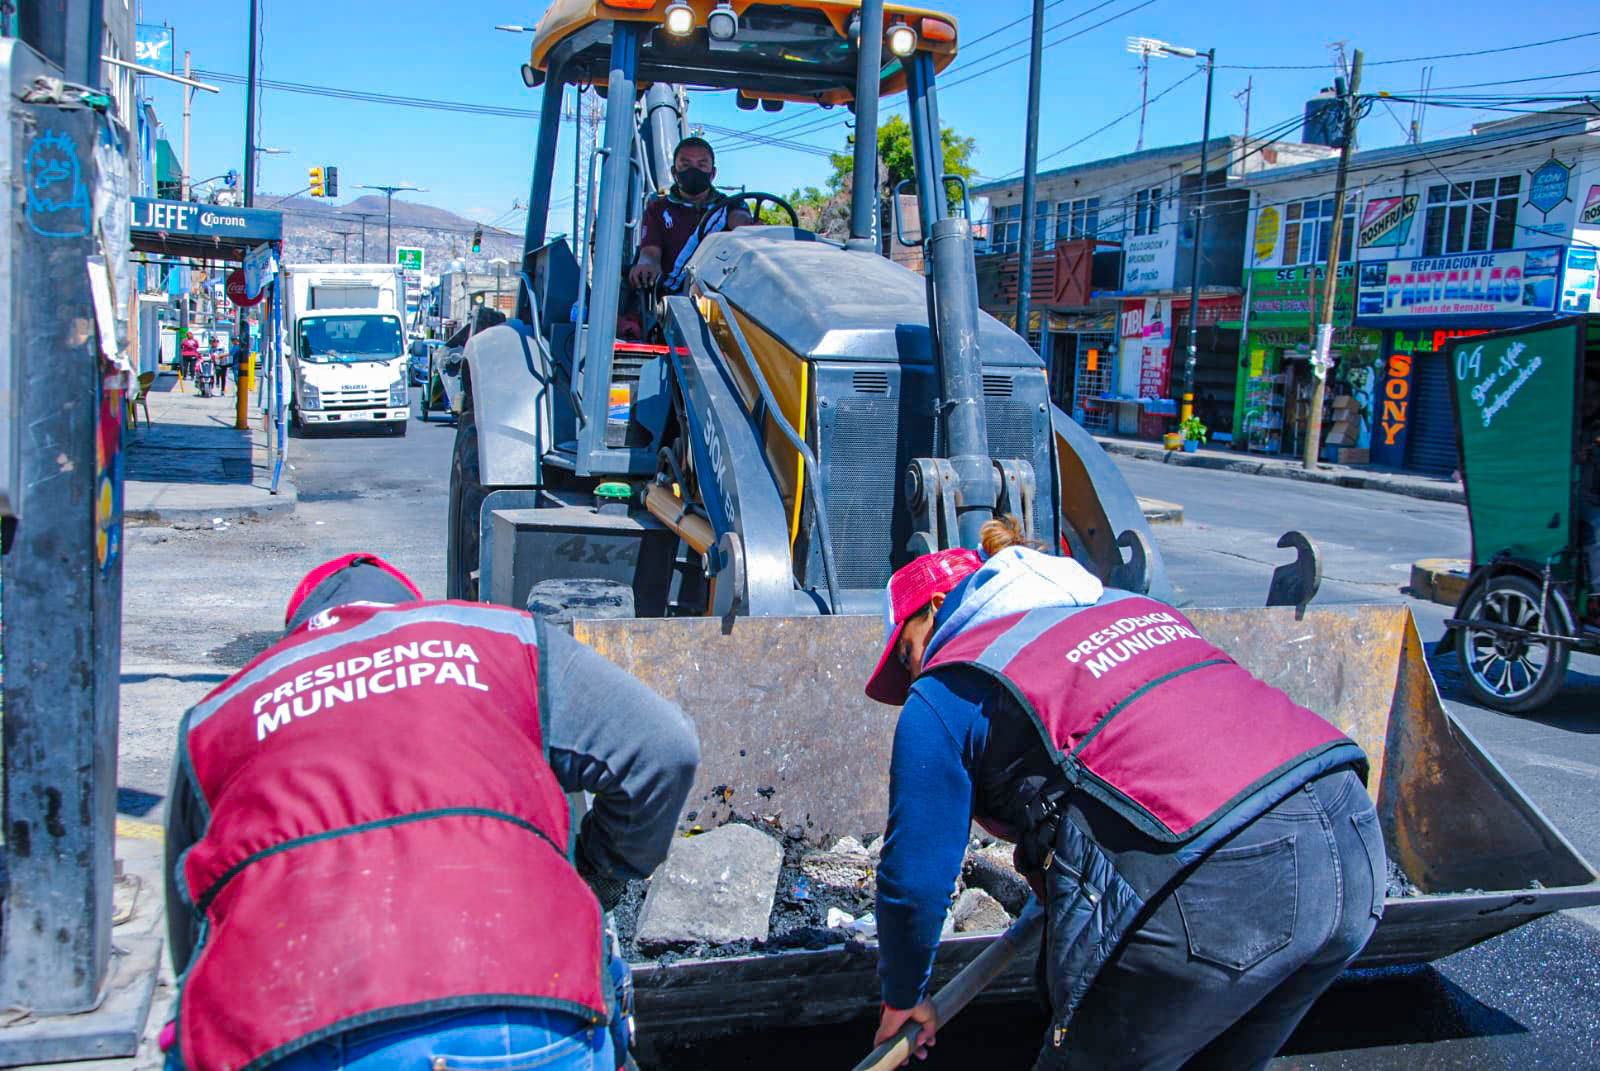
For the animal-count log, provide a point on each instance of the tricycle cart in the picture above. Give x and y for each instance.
(1527, 407)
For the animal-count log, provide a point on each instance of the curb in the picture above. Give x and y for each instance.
(1440, 580)
(1158, 512)
(1284, 472)
(261, 507)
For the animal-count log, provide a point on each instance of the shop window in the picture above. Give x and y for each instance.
(1078, 219)
(1308, 228)
(1147, 211)
(1471, 217)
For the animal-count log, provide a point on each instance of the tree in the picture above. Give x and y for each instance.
(894, 152)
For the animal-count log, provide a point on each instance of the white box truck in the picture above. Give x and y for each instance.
(346, 333)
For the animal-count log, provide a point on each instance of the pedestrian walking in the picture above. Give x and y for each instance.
(188, 354)
(219, 366)
(369, 857)
(1207, 856)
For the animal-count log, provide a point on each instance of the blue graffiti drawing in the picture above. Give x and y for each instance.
(58, 204)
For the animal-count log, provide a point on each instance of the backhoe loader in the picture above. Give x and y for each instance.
(807, 415)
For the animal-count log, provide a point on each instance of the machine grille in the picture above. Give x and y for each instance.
(997, 386)
(870, 382)
(862, 488)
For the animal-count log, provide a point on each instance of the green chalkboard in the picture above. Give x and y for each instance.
(1516, 405)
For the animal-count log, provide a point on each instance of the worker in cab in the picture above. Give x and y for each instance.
(370, 857)
(1205, 851)
(675, 222)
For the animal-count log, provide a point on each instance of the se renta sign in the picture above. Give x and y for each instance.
(1508, 285)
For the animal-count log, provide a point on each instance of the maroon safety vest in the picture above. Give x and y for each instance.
(1140, 711)
(384, 836)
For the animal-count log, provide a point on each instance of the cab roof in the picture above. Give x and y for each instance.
(799, 50)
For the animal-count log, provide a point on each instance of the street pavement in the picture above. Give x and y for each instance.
(201, 601)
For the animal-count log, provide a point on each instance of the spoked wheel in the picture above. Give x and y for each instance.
(1509, 667)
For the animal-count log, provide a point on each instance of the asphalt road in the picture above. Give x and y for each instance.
(199, 603)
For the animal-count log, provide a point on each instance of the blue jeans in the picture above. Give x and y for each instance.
(499, 1040)
(1227, 965)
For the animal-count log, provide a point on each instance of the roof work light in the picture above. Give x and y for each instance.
(901, 39)
(722, 23)
(679, 19)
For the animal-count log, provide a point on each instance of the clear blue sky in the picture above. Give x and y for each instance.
(476, 165)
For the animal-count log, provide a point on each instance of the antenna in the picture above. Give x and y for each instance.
(1144, 48)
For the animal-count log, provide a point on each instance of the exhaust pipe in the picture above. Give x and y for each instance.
(864, 193)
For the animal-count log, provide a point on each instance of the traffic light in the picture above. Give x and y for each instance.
(316, 182)
(331, 181)
(477, 240)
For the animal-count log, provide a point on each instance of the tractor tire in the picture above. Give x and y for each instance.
(1507, 672)
(466, 498)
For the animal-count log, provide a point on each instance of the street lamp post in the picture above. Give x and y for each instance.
(500, 264)
(1151, 46)
(388, 214)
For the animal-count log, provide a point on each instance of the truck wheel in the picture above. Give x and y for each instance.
(466, 497)
(1505, 670)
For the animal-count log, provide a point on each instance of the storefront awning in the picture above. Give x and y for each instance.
(212, 232)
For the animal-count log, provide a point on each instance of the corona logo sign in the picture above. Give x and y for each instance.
(1396, 398)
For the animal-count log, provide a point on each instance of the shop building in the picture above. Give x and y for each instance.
(1454, 237)
(1112, 252)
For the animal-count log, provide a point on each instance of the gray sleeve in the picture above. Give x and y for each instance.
(185, 825)
(611, 735)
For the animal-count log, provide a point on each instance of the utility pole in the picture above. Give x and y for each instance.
(250, 117)
(345, 235)
(1186, 410)
(362, 217)
(1246, 92)
(1030, 175)
(388, 217)
(188, 102)
(1322, 355)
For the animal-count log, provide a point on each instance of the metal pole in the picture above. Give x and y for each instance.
(250, 117)
(577, 161)
(1187, 409)
(1322, 356)
(388, 226)
(544, 168)
(1030, 172)
(188, 101)
(864, 194)
(363, 238)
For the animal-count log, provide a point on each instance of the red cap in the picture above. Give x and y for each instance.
(909, 590)
(322, 572)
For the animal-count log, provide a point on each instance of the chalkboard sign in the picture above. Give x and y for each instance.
(1515, 396)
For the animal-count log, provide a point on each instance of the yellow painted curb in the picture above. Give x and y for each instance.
(1440, 580)
(129, 827)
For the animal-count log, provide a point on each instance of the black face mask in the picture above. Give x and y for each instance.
(693, 181)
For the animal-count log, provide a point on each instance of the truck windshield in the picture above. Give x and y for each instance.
(346, 339)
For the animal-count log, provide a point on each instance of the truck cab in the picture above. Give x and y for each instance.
(347, 341)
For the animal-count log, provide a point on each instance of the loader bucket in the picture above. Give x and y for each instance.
(785, 729)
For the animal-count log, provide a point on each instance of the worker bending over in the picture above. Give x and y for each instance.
(674, 224)
(370, 857)
(1207, 856)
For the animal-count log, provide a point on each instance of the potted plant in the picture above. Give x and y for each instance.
(1194, 433)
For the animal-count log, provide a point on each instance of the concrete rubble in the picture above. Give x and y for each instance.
(716, 888)
(978, 912)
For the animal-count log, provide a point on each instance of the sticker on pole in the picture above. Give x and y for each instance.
(238, 291)
(408, 258)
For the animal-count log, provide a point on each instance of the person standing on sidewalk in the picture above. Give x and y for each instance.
(369, 853)
(224, 358)
(188, 354)
(1207, 856)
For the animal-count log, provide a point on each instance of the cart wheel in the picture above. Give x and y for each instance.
(1507, 671)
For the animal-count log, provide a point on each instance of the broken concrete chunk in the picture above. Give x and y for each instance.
(978, 912)
(990, 869)
(846, 865)
(716, 888)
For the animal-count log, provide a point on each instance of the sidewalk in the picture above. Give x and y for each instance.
(1416, 485)
(190, 466)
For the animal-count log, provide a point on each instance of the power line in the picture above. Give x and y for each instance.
(1409, 59)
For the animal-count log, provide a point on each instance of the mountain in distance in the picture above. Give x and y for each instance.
(311, 235)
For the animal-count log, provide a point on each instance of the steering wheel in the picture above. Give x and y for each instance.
(752, 201)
